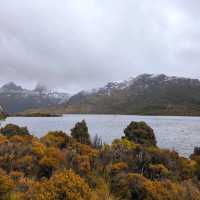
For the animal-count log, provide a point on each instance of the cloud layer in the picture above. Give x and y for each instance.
(76, 44)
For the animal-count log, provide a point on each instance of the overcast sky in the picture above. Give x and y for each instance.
(81, 44)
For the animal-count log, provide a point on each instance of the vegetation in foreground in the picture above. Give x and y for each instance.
(62, 167)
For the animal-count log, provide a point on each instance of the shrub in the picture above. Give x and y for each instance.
(10, 130)
(52, 160)
(64, 185)
(158, 171)
(140, 133)
(80, 133)
(56, 139)
(6, 185)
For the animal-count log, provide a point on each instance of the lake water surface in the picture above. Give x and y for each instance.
(179, 133)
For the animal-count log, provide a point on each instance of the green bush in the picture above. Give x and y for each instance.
(80, 133)
(10, 130)
(140, 133)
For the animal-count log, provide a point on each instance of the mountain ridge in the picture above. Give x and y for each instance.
(14, 98)
(145, 94)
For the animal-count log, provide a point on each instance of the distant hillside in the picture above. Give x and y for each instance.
(14, 98)
(146, 94)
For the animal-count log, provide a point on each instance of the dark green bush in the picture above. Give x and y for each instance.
(140, 133)
(80, 133)
(10, 130)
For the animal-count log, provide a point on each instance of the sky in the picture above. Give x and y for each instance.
(72, 45)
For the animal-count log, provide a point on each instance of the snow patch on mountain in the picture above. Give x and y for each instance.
(40, 91)
(143, 81)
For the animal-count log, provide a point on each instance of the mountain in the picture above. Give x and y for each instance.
(14, 98)
(146, 94)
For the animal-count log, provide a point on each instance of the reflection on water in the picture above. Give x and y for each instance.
(179, 133)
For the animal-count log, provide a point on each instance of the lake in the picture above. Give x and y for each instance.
(179, 133)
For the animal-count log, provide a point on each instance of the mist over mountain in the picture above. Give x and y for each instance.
(145, 94)
(14, 98)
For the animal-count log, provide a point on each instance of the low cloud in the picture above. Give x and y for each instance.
(75, 44)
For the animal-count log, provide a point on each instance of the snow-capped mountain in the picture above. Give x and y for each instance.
(14, 98)
(141, 81)
(144, 94)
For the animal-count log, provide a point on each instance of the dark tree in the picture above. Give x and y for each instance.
(140, 133)
(196, 152)
(10, 130)
(80, 133)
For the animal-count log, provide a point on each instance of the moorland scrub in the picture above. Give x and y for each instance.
(59, 166)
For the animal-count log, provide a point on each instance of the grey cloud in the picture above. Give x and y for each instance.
(75, 44)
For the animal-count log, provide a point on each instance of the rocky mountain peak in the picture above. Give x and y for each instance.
(16, 99)
(144, 94)
(162, 79)
(11, 86)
